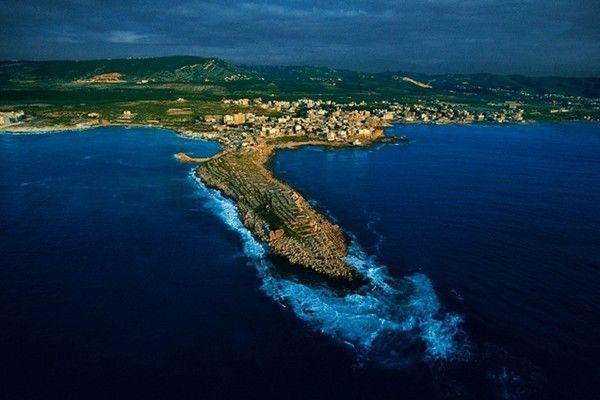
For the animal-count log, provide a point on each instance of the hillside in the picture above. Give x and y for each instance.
(211, 79)
(190, 69)
(165, 69)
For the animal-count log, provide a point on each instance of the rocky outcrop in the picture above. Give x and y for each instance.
(277, 214)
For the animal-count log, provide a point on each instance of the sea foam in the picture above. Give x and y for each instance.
(388, 321)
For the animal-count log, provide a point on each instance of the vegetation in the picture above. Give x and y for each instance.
(64, 90)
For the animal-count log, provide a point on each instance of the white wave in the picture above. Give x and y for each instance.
(374, 219)
(382, 320)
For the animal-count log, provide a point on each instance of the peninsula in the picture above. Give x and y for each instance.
(253, 111)
(275, 212)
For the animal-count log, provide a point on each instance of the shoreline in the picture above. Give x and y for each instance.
(19, 129)
(275, 212)
(271, 209)
(12, 130)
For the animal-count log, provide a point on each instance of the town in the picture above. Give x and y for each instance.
(326, 120)
(244, 122)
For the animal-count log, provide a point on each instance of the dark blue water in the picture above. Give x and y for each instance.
(121, 276)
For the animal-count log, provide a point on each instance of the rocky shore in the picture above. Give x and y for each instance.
(276, 213)
(271, 209)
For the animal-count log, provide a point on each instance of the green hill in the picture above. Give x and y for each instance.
(164, 69)
(213, 78)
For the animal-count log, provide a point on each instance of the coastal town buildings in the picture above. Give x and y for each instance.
(250, 121)
(327, 120)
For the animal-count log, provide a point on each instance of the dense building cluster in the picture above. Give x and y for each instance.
(439, 112)
(328, 120)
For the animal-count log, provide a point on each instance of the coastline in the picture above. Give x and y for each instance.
(271, 209)
(20, 129)
(42, 130)
(278, 215)
(322, 251)
(275, 212)
(282, 219)
(29, 130)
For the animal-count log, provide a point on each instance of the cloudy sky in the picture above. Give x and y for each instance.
(502, 36)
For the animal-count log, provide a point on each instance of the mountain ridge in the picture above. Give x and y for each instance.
(290, 79)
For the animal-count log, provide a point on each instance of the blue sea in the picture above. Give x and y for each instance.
(122, 276)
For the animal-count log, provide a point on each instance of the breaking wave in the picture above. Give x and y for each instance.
(387, 321)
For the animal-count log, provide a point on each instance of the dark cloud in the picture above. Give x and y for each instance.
(532, 37)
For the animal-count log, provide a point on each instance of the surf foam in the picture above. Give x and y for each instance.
(384, 321)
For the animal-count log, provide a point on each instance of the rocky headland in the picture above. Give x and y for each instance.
(276, 213)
